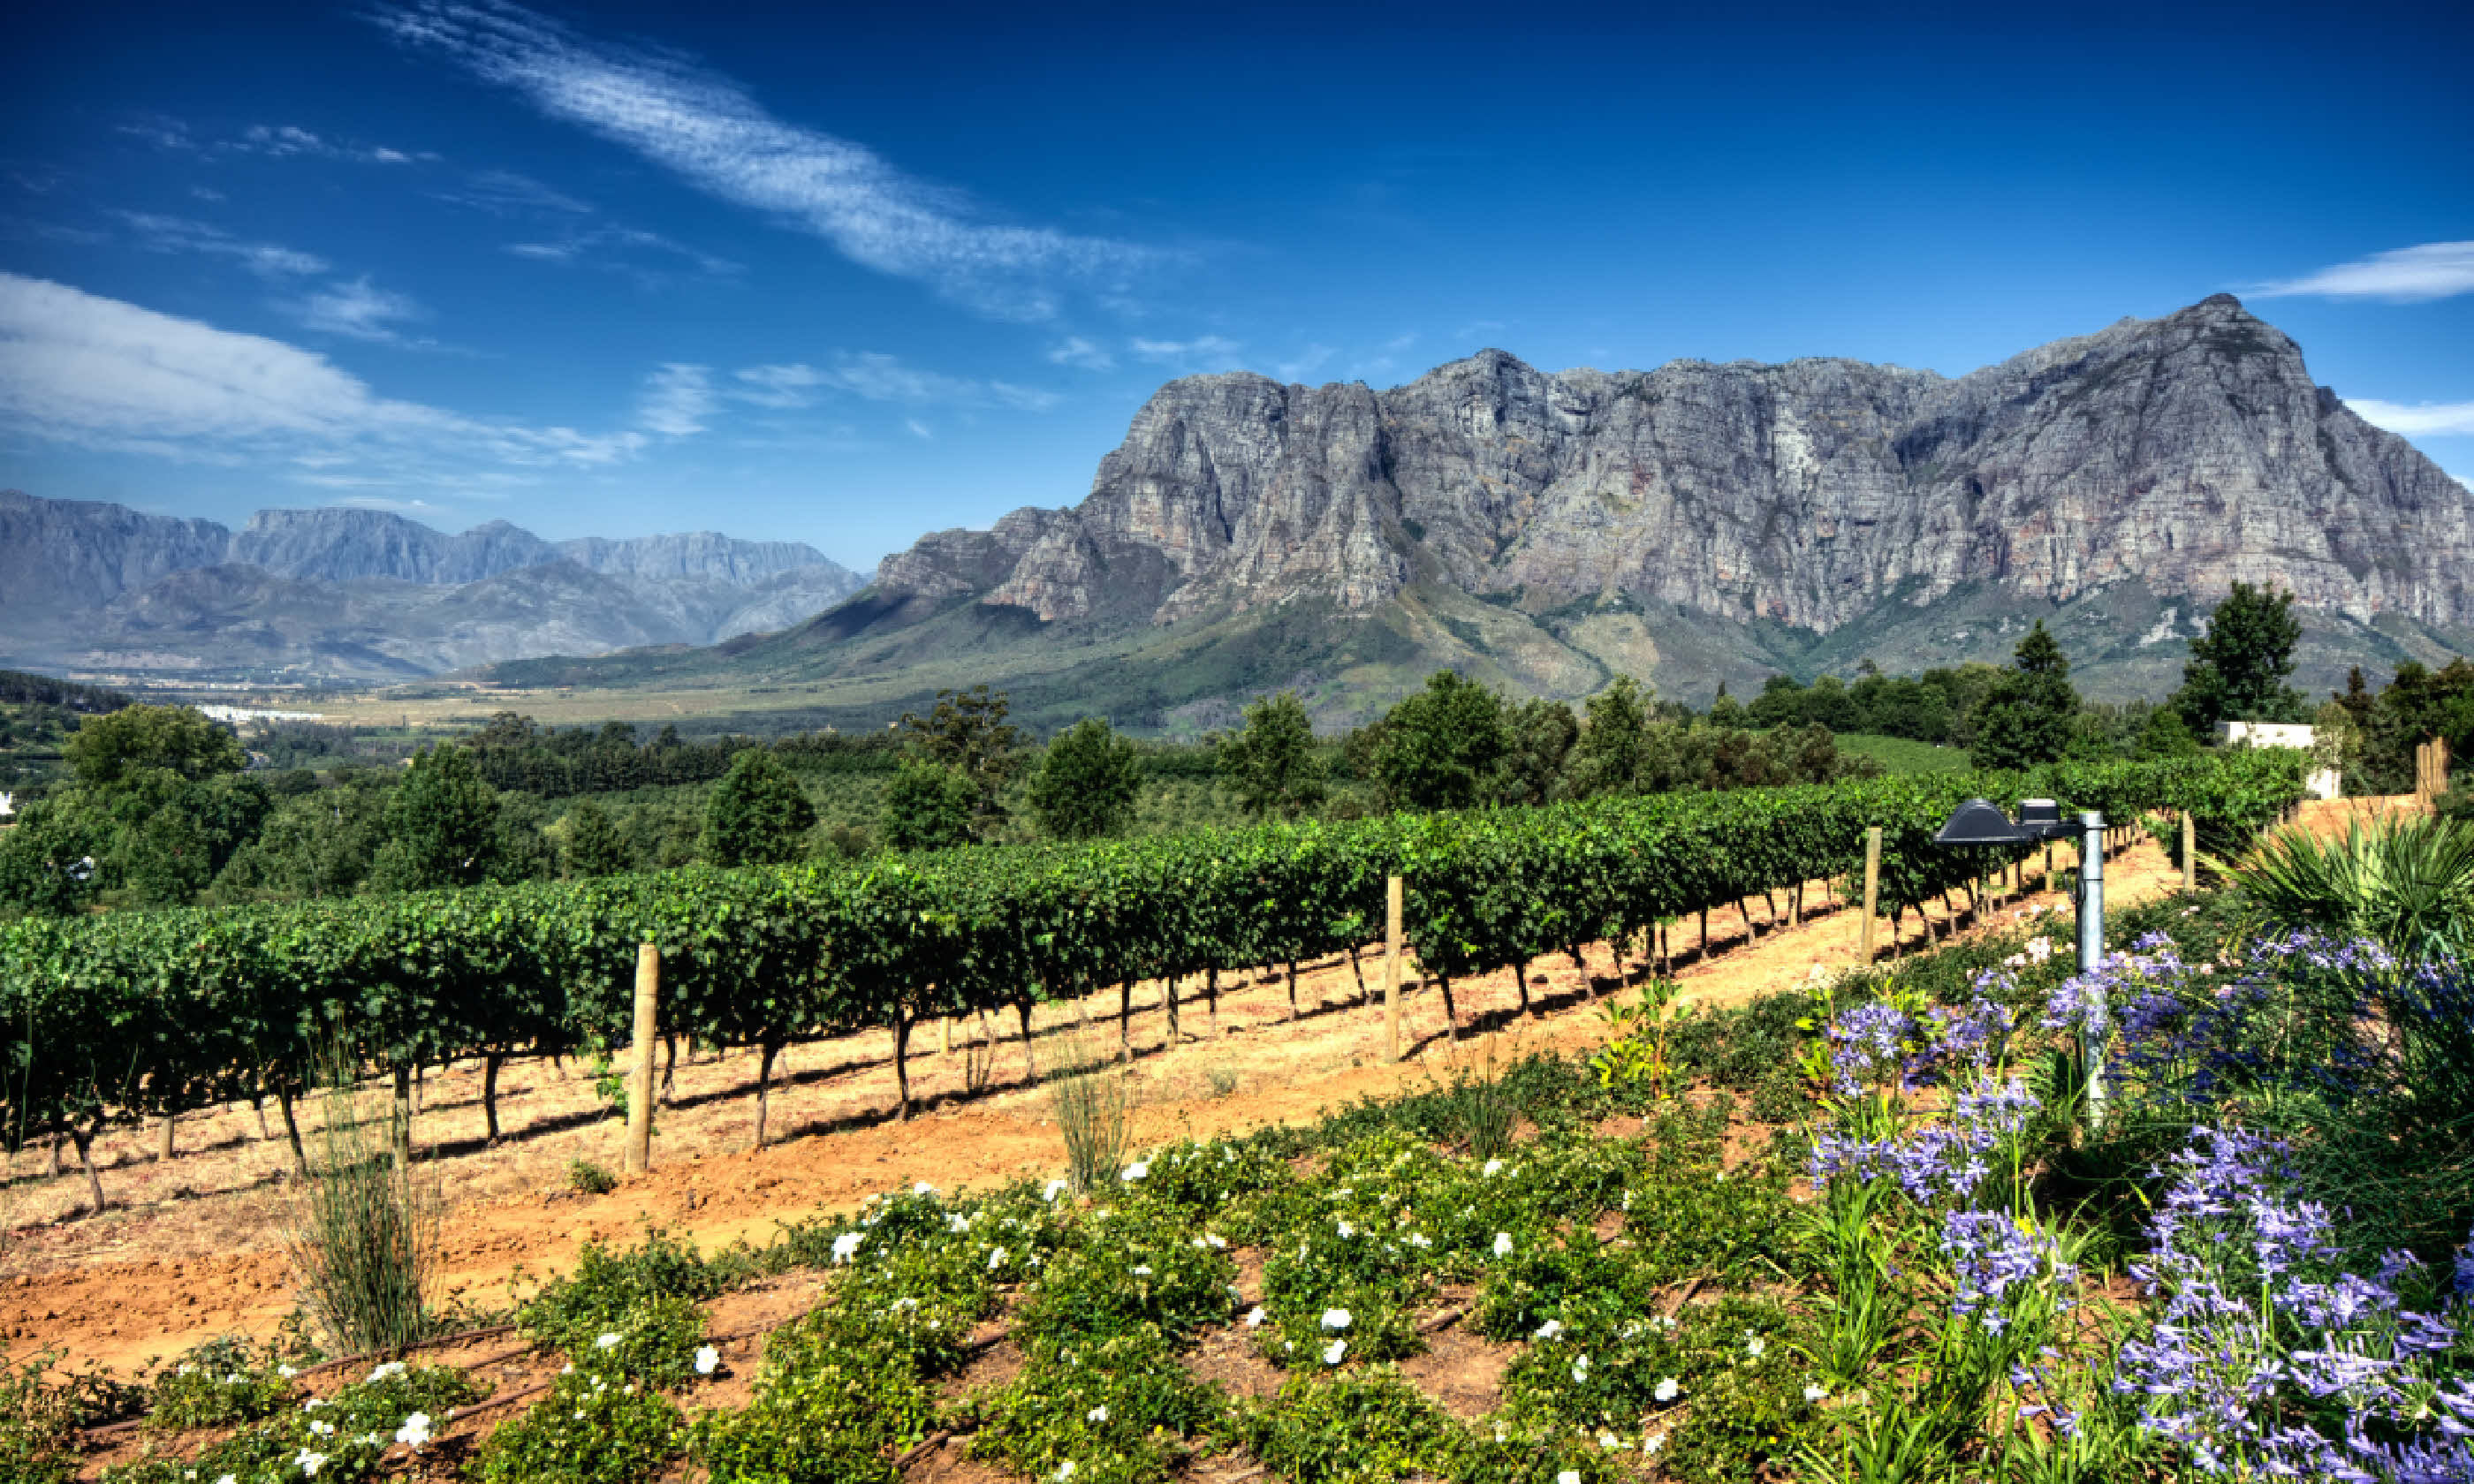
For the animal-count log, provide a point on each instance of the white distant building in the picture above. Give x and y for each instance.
(236, 714)
(2323, 782)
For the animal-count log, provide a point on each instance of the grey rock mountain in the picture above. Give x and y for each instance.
(2187, 452)
(369, 594)
(1693, 524)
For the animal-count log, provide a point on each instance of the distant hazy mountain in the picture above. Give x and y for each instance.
(368, 594)
(1693, 524)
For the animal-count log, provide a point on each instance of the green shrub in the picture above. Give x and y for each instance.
(1743, 1374)
(590, 1429)
(1359, 1428)
(1086, 1091)
(223, 1381)
(363, 1238)
(1119, 1408)
(336, 1439)
(586, 1178)
(1136, 1264)
(842, 1389)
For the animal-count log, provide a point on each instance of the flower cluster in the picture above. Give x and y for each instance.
(2268, 1358)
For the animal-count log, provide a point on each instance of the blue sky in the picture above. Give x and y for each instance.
(845, 277)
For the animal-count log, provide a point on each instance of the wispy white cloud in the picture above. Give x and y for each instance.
(918, 429)
(357, 310)
(603, 246)
(1205, 352)
(1306, 363)
(2433, 270)
(678, 400)
(180, 234)
(874, 376)
(2421, 418)
(1075, 351)
(709, 131)
(509, 193)
(274, 141)
(777, 385)
(83, 370)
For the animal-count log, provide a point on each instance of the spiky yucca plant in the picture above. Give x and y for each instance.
(2404, 882)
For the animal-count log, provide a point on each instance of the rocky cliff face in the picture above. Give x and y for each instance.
(61, 555)
(2187, 451)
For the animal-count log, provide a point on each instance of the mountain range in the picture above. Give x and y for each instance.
(358, 594)
(1692, 525)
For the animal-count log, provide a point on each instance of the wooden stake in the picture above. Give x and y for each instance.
(639, 1155)
(1872, 888)
(2190, 852)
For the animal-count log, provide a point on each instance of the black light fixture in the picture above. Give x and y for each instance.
(1982, 822)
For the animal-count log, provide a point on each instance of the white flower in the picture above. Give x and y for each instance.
(1581, 1372)
(1064, 1471)
(606, 1342)
(313, 1403)
(1136, 1170)
(1056, 1188)
(229, 1479)
(1816, 1392)
(1332, 1352)
(1420, 1239)
(1335, 1319)
(2039, 950)
(1098, 1414)
(1142, 1270)
(1215, 1239)
(956, 1221)
(1568, 1476)
(393, 1368)
(310, 1462)
(996, 1259)
(1254, 1317)
(1753, 1344)
(708, 1359)
(1493, 1168)
(1667, 1390)
(1609, 1441)
(923, 1188)
(1653, 1442)
(1345, 1230)
(1503, 1244)
(1548, 1331)
(846, 1246)
(415, 1431)
(285, 1371)
(323, 1429)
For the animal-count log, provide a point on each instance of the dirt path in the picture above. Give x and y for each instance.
(193, 1248)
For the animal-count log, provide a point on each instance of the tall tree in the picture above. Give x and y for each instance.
(595, 847)
(1087, 783)
(2236, 669)
(757, 814)
(1540, 734)
(968, 734)
(1608, 756)
(108, 749)
(1440, 746)
(442, 824)
(2028, 713)
(927, 807)
(1270, 763)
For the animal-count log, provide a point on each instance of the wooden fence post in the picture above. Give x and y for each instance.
(640, 1061)
(1872, 886)
(1391, 892)
(2190, 852)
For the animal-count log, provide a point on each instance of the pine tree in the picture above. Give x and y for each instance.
(2027, 716)
(594, 847)
(2236, 669)
(1087, 783)
(1270, 764)
(758, 815)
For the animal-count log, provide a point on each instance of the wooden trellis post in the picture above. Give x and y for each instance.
(1391, 893)
(638, 1156)
(1872, 888)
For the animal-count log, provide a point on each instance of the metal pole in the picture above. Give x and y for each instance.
(638, 1156)
(1392, 891)
(1872, 889)
(2093, 1033)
